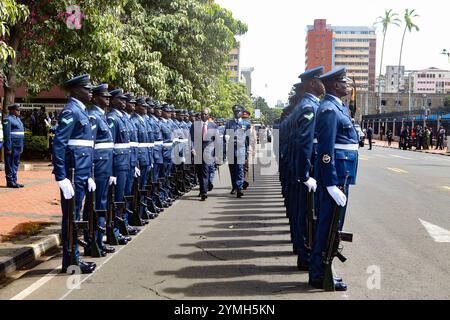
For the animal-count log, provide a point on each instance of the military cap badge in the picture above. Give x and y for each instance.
(326, 159)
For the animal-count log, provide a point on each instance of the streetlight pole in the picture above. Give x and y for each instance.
(447, 53)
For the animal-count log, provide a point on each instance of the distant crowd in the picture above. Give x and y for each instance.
(422, 137)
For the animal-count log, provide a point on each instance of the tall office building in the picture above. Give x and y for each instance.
(352, 47)
(233, 65)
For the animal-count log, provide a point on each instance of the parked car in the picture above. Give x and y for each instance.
(361, 135)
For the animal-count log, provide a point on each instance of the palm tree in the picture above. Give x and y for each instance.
(386, 20)
(410, 26)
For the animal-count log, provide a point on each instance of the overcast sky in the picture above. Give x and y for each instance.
(275, 42)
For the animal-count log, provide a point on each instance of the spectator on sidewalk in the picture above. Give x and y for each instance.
(431, 137)
(370, 136)
(389, 137)
(426, 138)
(440, 138)
(419, 135)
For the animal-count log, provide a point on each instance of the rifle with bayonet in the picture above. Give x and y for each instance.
(73, 226)
(111, 238)
(93, 249)
(333, 246)
(134, 218)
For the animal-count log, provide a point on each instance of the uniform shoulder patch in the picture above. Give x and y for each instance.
(309, 116)
(326, 159)
(5, 122)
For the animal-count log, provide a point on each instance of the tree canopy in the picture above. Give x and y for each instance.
(174, 51)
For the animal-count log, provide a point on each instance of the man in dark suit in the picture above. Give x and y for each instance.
(370, 136)
(203, 135)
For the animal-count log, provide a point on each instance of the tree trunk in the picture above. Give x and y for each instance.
(381, 70)
(399, 64)
(9, 83)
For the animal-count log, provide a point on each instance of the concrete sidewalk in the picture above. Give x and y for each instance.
(394, 145)
(21, 211)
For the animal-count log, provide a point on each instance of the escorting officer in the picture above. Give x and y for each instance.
(73, 149)
(236, 128)
(122, 152)
(13, 137)
(337, 166)
(103, 160)
(166, 130)
(302, 147)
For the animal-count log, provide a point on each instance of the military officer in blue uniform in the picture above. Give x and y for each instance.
(145, 149)
(302, 126)
(122, 152)
(13, 140)
(166, 130)
(73, 149)
(103, 161)
(235, 150)
(134, 164)
(337, 162)
(158, 161)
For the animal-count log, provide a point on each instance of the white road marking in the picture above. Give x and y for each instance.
(49, 276)
(381, 156)
(400, 157)
(437, 233)
(25, 293)
(99, 267)
(397, 170)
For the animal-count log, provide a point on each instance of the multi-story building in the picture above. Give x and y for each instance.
(431, 80)
(246, 75)
(352, 47)
(319, 46)
(233, 65)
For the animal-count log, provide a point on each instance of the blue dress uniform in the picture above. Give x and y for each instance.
(144, 146)
(337, 166)
(154, 127)
(239, 127)
(302, 127)
(166, 131)
(13, 137)
(73, 149)
(122, 151)
(134, 151)
(103, 159)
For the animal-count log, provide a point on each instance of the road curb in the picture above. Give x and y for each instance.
(30, 167)
(420, 151)
(29, 253)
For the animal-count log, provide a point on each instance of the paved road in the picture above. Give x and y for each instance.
(228, 248)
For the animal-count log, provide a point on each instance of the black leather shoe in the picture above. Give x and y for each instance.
(122, 240)
(109, 249)
(338, 286)
(132, 231)
(199, 195)
(301, 265)
(13, 186)
(210, 187)
(239, 194)
(20, 185)
(233, 191)
(245, 185)
(87, 267)
(204, 197)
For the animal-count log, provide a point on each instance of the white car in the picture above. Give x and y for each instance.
(361, 134)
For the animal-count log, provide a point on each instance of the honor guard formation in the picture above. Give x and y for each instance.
(121, 160)
(318, 160)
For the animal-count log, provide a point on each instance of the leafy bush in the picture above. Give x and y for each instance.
(36, 143)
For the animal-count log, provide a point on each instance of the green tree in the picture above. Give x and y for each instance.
(10, 14)
(385, 21)
(409, 26)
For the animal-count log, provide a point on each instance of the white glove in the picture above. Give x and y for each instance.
(137, 172)
(91, 185)
(67, 188)
(112, 180)
(194, 153)
(311, 184)
(338, 196)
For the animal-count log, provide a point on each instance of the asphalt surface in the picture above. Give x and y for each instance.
(228, 248)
